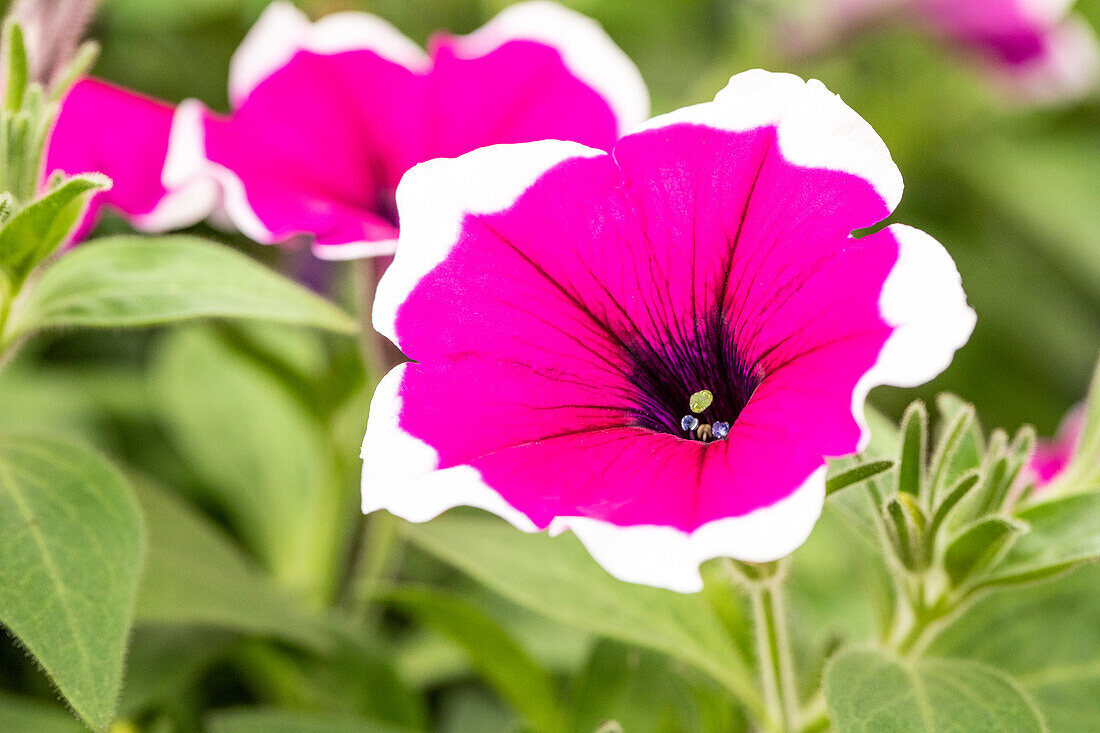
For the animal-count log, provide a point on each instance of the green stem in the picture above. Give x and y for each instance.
(774, 653)
(378, 554)
(372, 350)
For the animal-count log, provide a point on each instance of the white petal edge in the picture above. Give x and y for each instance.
(282, 30)
(190, 196)
(186, 161)
(585, 48)
(923, 300)
(400, 476)
(354, 250)
(399, 471)
(1045, 12)
(182, 206)
(434, 197)
(815, 128)
(666, 557)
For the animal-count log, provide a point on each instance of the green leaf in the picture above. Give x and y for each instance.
(134, 281)
(1064, 533)
(868, 691)
(265, 460)
(70, 557)
(259, 720)
(353, 679)
(36, 231)
(979, 546)
(907, 522)
(555, 576)
(195, 576)
(950, 500)
(528, 688)
(15, 67)
(856, 475)
(1043, 636)
(959, 449)
(163, 663)
(914, 442)
(41, 716)
(646, 692)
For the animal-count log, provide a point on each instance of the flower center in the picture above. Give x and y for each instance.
(706, 432)
(693, 383)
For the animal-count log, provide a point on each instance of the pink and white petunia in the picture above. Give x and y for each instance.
(103, 128)
(327, 116)
(563, 307)
(1051, 457)
(1041, 49)
(1045, 52)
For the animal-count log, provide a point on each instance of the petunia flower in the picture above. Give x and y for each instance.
(657, 348)
(101, 127)
(1052, 457)
(1041, 50)
(327, 116)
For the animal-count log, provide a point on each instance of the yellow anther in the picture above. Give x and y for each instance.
(701, 400)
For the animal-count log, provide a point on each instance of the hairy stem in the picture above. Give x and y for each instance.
(774, 653)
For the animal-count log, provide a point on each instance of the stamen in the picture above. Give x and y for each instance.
(700, 401)
(705, 432)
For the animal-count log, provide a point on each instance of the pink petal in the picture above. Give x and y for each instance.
(1052, 457)
(328, 116)
(124, 135)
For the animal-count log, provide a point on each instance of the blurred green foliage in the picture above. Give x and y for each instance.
(1013, 193)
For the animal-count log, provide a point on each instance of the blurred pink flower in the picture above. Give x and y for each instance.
(327, 116)
(124, 135)
(1042, 51)
(1051, 457)
(563, 306)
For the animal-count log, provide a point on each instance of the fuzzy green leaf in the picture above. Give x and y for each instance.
(1064, 533)
(959, 449)
(856, 475)
(1044, 636)
(70, 558)
(868, 691)
(979, 546)
(914, 442)
(141, 281)
(36, 231)
(950, 500)
(15, 67)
